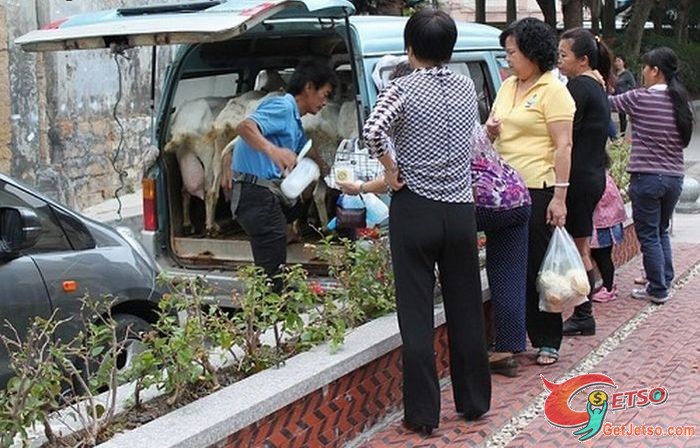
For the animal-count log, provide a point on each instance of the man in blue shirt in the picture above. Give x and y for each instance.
(271, 138)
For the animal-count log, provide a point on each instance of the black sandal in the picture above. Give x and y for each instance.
(507, 367)
(424, 430)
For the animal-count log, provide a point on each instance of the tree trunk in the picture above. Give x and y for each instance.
(635, 28)
(549, 10)
(511, 11)
(573, 13)
(681, 25)
(480, 11)
(595, 16)
(389, 8)
(658, 12)
(609, 18)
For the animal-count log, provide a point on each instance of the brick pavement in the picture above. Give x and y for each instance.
(665, 359)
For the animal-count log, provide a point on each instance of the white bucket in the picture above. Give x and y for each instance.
(301, 177)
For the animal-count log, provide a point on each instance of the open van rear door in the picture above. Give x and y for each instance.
(193, 22)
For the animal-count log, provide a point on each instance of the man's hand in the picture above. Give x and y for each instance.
(284, 158)
(556, 212)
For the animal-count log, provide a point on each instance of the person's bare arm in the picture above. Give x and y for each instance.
(284, 158)
(377, 185)
(561, 133)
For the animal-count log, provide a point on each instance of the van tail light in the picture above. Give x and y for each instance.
(56, 24)
(150, 215)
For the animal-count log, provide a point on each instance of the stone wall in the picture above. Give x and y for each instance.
(56, 126)
(5, 134)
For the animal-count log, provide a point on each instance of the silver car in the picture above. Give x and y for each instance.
(51, 257)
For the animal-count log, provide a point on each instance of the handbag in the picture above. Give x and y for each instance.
(351, 218)
(350, 212)
(496, 184)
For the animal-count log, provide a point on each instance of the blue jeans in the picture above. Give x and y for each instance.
(654, 197)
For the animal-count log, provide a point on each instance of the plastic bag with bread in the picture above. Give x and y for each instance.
(562, 281)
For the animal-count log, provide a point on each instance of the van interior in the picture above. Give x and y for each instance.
(231, 68)
(228, 69)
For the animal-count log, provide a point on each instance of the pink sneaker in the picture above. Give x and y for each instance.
(604, 296)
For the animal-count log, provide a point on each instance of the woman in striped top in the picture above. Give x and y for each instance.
(662, 124)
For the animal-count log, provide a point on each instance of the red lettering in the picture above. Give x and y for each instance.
(617, 430)
(630, 398)
(616, 401)
(643, 398)
(637, 431)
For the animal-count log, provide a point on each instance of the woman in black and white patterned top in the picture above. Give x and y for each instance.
(420, 130)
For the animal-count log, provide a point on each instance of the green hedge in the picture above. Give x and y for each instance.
(689, 55)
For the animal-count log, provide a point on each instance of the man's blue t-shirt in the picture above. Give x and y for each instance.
(279, 121)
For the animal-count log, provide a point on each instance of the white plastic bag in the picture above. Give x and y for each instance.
(562, 280)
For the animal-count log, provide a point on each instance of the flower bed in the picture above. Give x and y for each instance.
(322, 397)
(177, 356)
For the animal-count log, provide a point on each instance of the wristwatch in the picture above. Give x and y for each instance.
(362, 188)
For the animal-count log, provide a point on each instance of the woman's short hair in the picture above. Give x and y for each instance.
(431, 34)
(536, 40)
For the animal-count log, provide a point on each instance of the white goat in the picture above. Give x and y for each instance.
(194, 150)
(327, 128)
(200, 131)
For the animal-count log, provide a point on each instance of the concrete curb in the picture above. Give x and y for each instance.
(214, 417)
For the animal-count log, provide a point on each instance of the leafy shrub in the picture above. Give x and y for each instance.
(33, 392)
(619, 151)
(177, 355)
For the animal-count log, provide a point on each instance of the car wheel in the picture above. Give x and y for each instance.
(130, 328)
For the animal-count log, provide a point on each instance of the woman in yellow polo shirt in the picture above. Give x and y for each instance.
(531, 124)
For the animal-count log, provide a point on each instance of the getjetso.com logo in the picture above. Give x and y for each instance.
(563, 400)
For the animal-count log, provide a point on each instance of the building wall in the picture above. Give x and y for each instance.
(5, 134)
(57, 115)
(495, 10)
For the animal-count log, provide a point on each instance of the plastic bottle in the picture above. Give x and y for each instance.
(377, 210)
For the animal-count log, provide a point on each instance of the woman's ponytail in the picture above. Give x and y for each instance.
(584, 43)
(667, 62)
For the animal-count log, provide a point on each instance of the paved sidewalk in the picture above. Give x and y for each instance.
(653, 352)
(663, 351)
